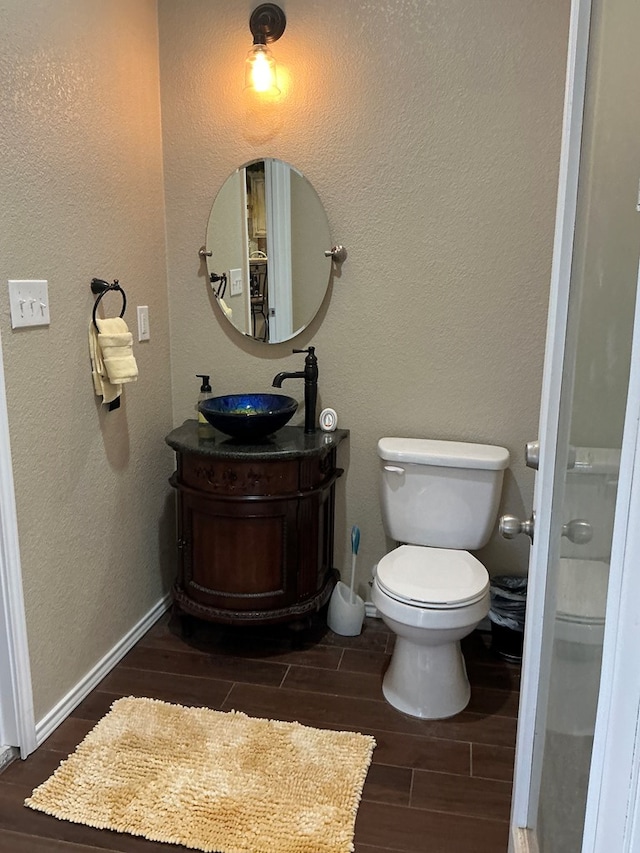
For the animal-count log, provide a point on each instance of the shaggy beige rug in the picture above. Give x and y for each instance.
(212, 781)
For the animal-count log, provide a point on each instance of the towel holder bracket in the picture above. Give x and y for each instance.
(100, 287)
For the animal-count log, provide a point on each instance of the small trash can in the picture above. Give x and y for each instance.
(508, 605)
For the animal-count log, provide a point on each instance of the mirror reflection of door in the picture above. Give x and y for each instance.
(269, 228)
(278, 203)
(268, 231)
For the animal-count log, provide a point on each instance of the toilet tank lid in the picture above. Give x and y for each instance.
(448, 454)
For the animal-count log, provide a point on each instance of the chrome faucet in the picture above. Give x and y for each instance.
(310, 376)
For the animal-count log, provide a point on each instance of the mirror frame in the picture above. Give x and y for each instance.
(267, 250)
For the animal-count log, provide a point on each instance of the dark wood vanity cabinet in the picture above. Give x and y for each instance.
(255, 524)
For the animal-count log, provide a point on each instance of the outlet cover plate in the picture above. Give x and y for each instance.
(143, 323)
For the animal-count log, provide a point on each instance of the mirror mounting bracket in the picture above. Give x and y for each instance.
(338, 254)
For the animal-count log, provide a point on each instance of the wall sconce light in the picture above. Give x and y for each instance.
(267, 23)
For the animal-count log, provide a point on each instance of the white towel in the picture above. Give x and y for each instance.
(228, 312)
(103, 388)
(115, 343)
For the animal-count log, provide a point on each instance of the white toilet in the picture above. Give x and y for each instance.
(439, 498)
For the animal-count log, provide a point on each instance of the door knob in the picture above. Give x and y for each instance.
(578, 531)
(510, 526)
(532, 454)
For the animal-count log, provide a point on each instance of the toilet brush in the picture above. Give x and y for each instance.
(355, 544)
(346, 609)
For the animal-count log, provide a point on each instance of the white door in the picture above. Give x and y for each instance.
(17, 725)
(574, 691)
(278, 204)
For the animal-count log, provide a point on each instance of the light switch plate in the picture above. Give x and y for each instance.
(143, 323)
(235, 282)
(29, 302)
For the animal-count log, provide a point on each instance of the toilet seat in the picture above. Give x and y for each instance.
(437, 578)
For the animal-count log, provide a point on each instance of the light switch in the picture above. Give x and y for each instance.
(235, 282)
(29, 302)
(143, 323)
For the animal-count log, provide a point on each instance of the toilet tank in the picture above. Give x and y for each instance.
(444, 494)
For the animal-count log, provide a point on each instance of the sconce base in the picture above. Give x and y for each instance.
(267, 23)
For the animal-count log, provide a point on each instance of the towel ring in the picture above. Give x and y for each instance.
(101, 287)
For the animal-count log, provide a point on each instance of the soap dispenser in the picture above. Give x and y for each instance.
(205, 394)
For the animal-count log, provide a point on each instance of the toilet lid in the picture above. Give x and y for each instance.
(582, 590)
(436, 577)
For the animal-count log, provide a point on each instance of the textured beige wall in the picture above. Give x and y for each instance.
(82, 196)
(431, 132)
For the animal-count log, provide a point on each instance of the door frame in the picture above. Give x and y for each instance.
(612, 819)
(17, 721)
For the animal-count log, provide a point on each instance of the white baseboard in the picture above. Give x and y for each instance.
(371, 610)
(61, 711)
(7, 755)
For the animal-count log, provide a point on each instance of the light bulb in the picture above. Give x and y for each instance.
(260, 70)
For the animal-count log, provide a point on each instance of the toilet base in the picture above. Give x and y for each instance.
(429, 682)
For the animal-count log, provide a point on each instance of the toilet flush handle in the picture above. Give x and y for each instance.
(394, 469)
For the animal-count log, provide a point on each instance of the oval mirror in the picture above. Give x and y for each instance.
(266, 238)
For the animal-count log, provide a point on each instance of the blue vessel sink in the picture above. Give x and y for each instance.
(249, 416)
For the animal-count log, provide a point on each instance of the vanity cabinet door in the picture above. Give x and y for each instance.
(239, 555)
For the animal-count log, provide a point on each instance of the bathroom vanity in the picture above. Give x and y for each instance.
(255, 523)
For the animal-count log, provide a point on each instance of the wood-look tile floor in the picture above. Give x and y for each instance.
(434, 786)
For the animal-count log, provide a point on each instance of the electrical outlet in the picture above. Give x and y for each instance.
(143, 323)
(235, 282)
(29, 303)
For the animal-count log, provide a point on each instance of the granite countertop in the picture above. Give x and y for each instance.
(286, 443)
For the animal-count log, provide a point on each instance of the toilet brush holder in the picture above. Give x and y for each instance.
(346, 609)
